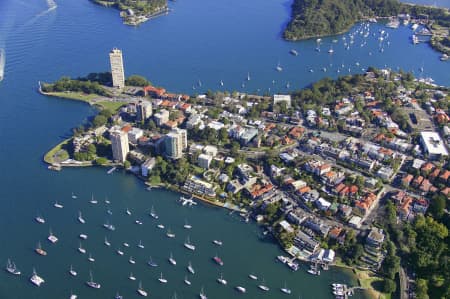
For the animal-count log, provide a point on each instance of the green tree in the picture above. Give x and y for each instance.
(437, 206)
(99, 121)
(136, 80)
(389, 286)
(422, 289)
(126, 164)
(101, 161)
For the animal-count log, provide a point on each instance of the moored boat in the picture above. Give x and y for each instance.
(187, 281)
(221, 280)
(141, 291)
(91, 283)
(72, 271)
(172, 260)
(80, 218)
(217, 242)
(263, 286)
(293, 52)
(218, 260)
(39, 250)
(188, 244)
(161, 279)
(190, 268)
(241, 289)
(36, 279)
(152, 263)
(11, 268)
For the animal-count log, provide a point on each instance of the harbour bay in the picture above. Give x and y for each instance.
(198, 40)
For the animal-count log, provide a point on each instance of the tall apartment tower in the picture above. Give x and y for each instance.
(119, 144)
(116, 61)
(143, 110)
(175, 143)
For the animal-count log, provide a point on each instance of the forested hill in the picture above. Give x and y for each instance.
(311, 18)
(140, 7)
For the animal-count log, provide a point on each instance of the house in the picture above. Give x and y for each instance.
(406, 180)
(345, 210)
(385, 173)
(365, 204)
(322, 204)
(305, 242)
(147, 166)
(286, 226)
(375, 238)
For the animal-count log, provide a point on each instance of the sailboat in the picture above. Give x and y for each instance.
(141, 291)
(58, 205)
(187, 225)
(91, 283)
(188, 244)
(131, 260)
(72, 271)
(285, 289)
(39, 250)
(74, 196)
(51, 237)
(331, 51)
(190, 268)
(172, 260)
(39, 219)
(153, 213)
(128, 211)
(221, 280)
(93, 200)
(140, 245)
(131, 277)
(241, 289)
(170, 234)
(118, 296)
(162, 279)
(36, 279)
(109, 226)
(263, 286)
(80, 218)
(81, 249)
(221, 82)
(248, 76)
(106, 242)
(187, 281)
(11, 268)
(151, 263)
(278, 67)
(90, 258)
(202, 294)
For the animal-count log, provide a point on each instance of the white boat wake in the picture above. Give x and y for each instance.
(51, 6)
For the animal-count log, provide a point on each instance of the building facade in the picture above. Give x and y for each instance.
(143, 110)
(175, 143)
(117, 72)
(119, 144)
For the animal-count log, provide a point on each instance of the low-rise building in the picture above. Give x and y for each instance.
(204, 161)
(305, 242)
(147, 166)
(433, 145)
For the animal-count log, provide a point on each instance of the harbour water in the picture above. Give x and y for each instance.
(199, 40)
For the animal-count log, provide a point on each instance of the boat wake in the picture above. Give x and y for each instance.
(51, 6)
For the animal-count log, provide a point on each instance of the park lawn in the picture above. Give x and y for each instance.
(75, 96)
(48, 158)
(113, 106)
(366, 280)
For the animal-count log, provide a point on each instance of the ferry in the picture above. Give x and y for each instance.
(162, 279)
(221, 280)
(11, 268)
(83, 236)
(141, 291)
(217, 242)
(106, 242)
(131, 277)
(58, 205)
(92, 284)
(186, 281)
(188, 244)
(172, 260)
(40, 219)
(293, 52)
(80, 218)
(72, 271)
(218, 260)
(241, 289)
(39, 250)
(151, 263)
(36, 279)
(190, 268)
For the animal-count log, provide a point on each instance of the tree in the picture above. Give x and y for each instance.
(126, 164)
(92, 150)
(437, 206)
(389, 286)
(101, 161)
(136, 80)
(422, 289)
(99, 120)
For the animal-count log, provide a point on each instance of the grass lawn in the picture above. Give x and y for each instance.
(113, 106)
(368, 280)
(74, 96)
(48, 158)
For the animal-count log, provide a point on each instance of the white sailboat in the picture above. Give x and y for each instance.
(131, 260)
(81, 249)
(74, 196)
(172, 260)
(128, 212)
(187, 225)
(39, 219)
(91, 283)
(141, 291)
(263, 286)
(278, 67)
(187, 281)
(90, 258)
(93, 200)
(162, 279)
(58, 205)
(140, 245)
(190, 268)
(72, 271)
(285, 289)
(106, 242)
(153, 213)
(11, 268)
(202, 294)
(188, 244)
(80, 218)
(36, 279)
(51, 237)
(170, 234)
(131, 277)
(221, 280)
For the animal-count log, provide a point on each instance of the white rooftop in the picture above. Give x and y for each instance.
(433, 143)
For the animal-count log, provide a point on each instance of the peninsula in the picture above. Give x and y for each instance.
(312, 18)
(340, 173)
(136, 12)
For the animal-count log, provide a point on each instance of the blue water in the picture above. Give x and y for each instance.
(199, 40)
